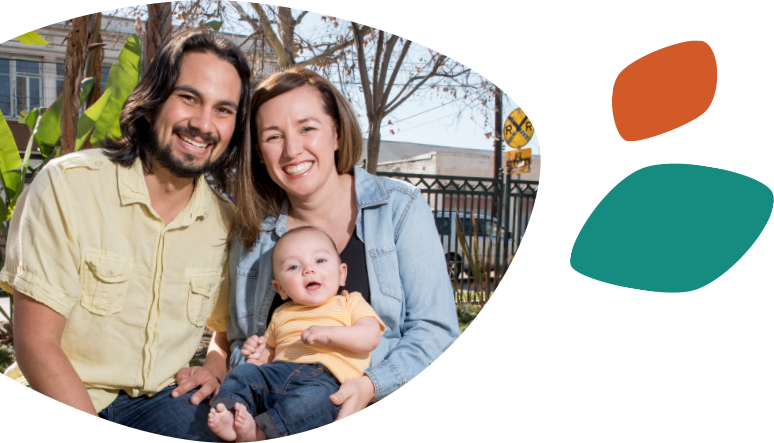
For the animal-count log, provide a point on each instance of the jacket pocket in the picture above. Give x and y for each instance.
(203, 283)
(105, 281)
(385, 261)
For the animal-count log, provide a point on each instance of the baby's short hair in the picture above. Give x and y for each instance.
(302, 229)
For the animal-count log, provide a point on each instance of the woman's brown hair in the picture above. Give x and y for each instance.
(257, 196)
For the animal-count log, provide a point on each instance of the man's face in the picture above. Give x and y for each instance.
(194, 126)
(307, 268)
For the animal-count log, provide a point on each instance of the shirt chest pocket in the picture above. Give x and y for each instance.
(203, 283)
(105, 278)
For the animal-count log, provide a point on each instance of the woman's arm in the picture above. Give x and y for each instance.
(236, 336)
(430, 323)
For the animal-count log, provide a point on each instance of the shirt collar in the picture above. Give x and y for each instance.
(132, 189)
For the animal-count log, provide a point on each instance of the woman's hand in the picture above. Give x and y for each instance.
(353, 395)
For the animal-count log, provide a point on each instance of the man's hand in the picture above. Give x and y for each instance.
(316, 335)
(191, 378)
(253, 349)
(353, 395)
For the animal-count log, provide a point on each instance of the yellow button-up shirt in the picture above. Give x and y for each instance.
(85, 241)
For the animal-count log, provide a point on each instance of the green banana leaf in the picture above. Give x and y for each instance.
(32, 38)
(10, 166)
(86, 86)
(214, 25)
(89, 118)
(50, 128)
(122, 79)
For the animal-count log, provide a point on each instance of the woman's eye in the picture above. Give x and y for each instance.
(307, 129)
(272, 137)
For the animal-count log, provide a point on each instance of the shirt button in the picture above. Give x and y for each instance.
(109, 273)
(152, 327)
(190, 215)
(98, 162)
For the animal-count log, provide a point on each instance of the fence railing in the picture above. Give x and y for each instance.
(481, 222)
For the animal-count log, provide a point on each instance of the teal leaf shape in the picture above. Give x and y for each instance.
(672, 228)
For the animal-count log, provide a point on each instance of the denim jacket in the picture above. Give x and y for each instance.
(407, 275)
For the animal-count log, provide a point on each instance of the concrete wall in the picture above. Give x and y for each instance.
(465, 164)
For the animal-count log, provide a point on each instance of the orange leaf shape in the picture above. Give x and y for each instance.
(664, 90)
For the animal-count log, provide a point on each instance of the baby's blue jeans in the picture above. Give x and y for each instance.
(285, 398)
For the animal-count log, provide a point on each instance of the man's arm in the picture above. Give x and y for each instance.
(210, 375)
(37, 331)
(363, 336)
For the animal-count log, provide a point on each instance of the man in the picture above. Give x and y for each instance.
(118, 259)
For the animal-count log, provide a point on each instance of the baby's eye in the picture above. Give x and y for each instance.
(321, 260)
(292, 267)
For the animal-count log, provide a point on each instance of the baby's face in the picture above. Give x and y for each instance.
(307, 268)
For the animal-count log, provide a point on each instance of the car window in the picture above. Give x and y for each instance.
(442, 225)
(467, 225)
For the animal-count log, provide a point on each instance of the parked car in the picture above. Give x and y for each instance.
(485, 236)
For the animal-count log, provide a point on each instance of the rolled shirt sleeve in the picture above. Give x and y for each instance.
(42, 255)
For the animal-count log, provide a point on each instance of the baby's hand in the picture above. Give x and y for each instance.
(253, 348)
(315, 335)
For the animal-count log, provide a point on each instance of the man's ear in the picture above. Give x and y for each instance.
(275, 284)
(343, 271)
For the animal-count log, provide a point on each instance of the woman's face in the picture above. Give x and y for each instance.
(297, 141)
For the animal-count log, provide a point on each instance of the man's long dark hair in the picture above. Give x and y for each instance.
(155, 88)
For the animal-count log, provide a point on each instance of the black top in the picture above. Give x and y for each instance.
(357, 274)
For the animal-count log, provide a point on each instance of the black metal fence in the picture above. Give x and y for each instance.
(481, 222)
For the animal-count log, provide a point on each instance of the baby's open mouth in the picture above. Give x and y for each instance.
(312, 286)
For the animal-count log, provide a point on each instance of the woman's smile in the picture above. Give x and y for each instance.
(297, 170)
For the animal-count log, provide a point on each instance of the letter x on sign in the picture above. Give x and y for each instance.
(510, 134)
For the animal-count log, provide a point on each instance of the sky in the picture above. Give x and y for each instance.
(428, 120)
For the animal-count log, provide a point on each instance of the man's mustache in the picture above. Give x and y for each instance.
(193, 133)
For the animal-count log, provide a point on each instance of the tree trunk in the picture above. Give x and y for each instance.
(287, 30)
(374, 141)
(158, 31)
(75, 58)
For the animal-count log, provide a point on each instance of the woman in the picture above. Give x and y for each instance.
(300, 171)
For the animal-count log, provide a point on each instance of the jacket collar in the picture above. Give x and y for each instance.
(368, 191)
(132, 189)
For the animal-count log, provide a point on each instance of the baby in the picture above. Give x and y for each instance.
(313, 344)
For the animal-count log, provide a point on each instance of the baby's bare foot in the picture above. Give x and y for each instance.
(245, 427)
(221, 422)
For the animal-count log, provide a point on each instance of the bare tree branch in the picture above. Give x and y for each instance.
(359, 33)
(271, 36)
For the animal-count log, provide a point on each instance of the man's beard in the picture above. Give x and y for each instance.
(184, 167)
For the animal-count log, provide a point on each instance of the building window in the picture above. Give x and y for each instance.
(103, 80)
(21, 86)
(59, 78)
(60, 75)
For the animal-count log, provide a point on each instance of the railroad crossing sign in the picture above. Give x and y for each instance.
(517, 130)
(518, 161)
